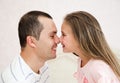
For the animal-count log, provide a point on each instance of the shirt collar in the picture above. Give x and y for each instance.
(27, 71)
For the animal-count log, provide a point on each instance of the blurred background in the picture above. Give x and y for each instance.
(63, 67)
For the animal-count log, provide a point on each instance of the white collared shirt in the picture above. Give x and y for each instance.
(19, 72)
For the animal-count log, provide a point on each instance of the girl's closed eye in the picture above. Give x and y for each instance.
(63, 34)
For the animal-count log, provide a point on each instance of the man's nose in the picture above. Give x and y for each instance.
(57, 40)
(60, 38)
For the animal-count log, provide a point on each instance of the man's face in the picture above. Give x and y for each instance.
(48, 40)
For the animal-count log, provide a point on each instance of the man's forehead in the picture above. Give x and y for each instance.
(49, 30)
(48, 24)
(43, 19)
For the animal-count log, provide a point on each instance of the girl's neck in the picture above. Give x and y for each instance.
(84, 61)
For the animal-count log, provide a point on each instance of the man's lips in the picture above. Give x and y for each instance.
(54, 48)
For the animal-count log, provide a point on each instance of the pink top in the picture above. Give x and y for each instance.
(95, 71)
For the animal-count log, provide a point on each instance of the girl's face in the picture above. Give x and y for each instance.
(67, 38)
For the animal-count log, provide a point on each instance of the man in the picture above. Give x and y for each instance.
(38, 40)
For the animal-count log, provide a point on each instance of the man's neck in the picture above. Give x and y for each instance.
(32, 61)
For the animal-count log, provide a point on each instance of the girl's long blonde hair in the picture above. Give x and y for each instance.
(88, 33)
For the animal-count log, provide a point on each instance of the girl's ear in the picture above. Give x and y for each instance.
(31, 41)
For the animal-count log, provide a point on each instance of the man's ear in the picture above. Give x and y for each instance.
(31, 41)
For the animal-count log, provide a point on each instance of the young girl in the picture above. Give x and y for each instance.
(82, 35)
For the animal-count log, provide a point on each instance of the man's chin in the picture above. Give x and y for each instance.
(52, 57)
